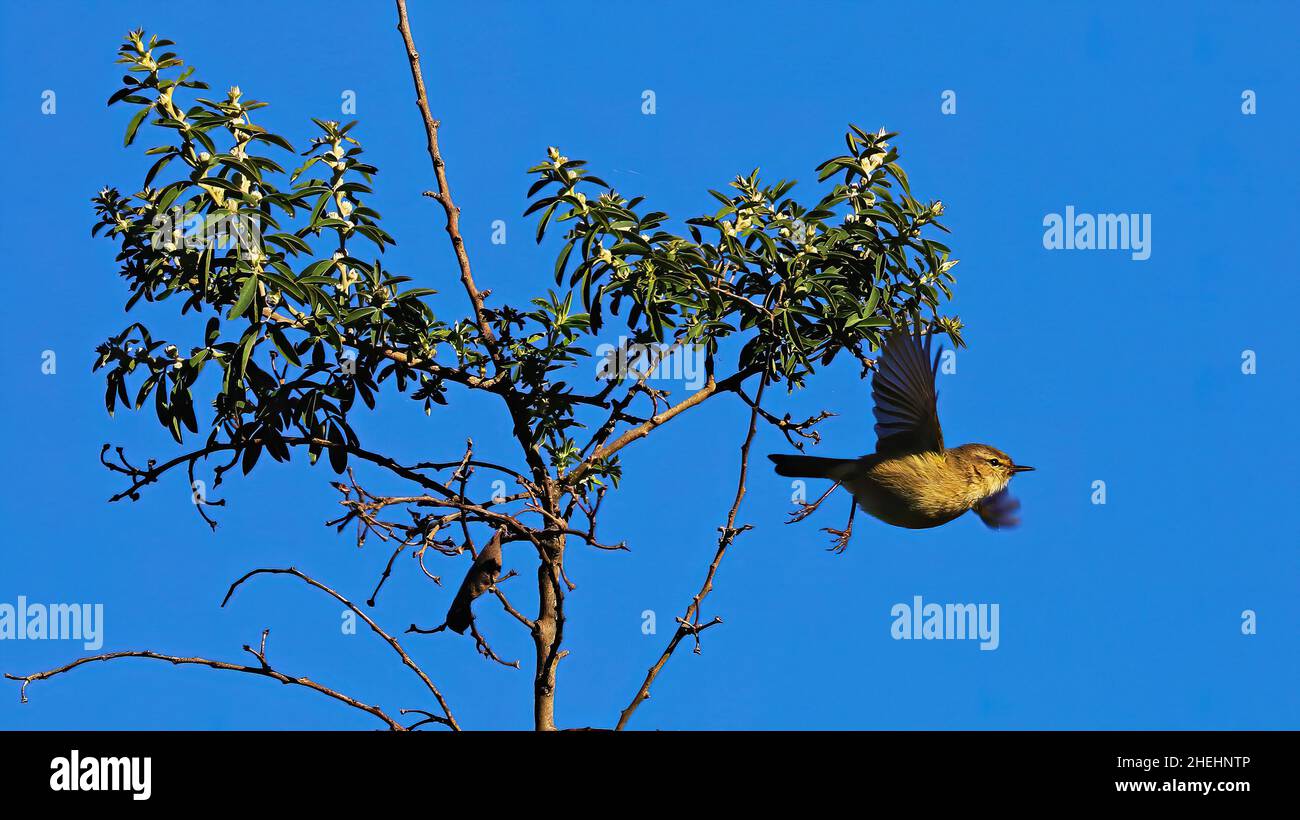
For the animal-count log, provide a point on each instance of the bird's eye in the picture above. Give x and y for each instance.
(995, 462)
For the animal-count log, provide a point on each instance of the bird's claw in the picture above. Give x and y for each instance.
(841, 538)
(805, 510)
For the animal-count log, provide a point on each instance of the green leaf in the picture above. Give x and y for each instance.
(251, 452)
(134, 125)
(246, 294)
(338, 455)
(562, 261)
(282, 345)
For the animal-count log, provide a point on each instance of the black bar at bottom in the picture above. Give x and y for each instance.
(1220, 769)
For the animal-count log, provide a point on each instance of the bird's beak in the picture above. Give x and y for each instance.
(1020, 468)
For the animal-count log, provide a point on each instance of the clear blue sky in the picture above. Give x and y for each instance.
(1088, 364)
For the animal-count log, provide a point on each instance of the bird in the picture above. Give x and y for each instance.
(912, 480)
(481, 576)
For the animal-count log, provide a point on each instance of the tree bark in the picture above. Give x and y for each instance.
(548, 629)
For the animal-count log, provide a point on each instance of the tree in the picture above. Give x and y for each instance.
(301, 318)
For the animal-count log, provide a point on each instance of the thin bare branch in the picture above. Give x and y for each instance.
(711, 388)
(443, 194)
(406, 659)
(788, 427)
(689, 624)
(263, 669)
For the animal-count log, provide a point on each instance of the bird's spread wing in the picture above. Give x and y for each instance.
(998, 511)
(907, 415)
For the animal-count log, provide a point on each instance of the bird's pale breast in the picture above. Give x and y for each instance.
(915, 491)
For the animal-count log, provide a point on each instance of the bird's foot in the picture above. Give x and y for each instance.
(842, 537)
(806, 509)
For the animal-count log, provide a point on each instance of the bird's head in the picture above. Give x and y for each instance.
(987, 467)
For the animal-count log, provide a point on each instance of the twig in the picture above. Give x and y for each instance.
(802, 429)
(263, 668)
(711, 388)
(443, 194)
(406, 659)
(689, 623)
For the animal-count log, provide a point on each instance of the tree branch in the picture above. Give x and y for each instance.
(263, 668)
(711, 388)
(689, 623)
(406, 659)
(443, 194)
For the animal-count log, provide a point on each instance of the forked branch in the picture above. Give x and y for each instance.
(263, 669)
(447, 718)
(689, 624)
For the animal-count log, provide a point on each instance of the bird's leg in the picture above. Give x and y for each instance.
(842, 536)
(807, 509)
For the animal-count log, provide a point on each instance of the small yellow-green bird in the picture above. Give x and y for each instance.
(912, 480)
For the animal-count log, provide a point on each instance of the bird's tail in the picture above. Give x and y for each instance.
(808, 466)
